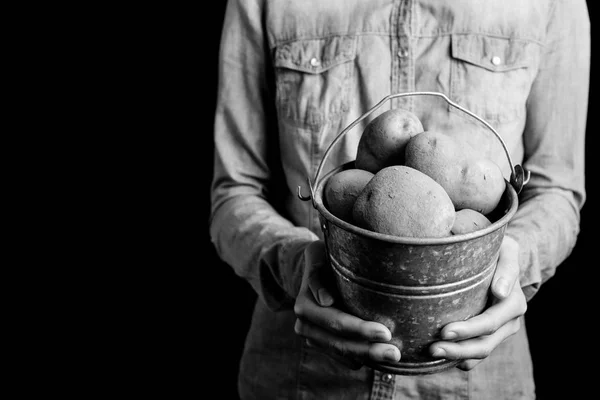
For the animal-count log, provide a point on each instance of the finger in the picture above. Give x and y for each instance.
(507, 269)
(315, 259)
(332, 319)
(490, 320)
(475, 348)
(341, 323)
(347, 348)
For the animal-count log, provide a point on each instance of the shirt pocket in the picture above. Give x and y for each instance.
(492, 76)
(313, 79)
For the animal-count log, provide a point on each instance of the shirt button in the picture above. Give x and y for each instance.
(386, 377)
(402, 53)
(315, 62)
(496, 60)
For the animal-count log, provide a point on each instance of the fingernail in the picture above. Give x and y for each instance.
(381, 336)
(325, 298)
(438, 352)
(449, 335)
(391, 355)
(501, 287)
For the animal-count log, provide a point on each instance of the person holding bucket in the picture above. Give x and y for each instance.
(292, 76)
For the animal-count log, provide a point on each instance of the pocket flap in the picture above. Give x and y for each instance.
(492, 53)
(316, 55)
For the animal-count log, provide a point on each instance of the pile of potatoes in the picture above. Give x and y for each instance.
(411, 182)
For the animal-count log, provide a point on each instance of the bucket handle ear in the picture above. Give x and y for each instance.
(518, 177)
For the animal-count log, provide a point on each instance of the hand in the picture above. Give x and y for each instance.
(345, 337)
(474, 339)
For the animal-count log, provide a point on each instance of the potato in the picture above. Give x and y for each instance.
(468, 220)
(402, 201)
(471, 181)
(342, 189)
(384, 139)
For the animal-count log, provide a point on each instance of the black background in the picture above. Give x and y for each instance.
(560, 319)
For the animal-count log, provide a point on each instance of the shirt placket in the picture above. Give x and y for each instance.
(383, 386)
(403, 61)
(402, 81)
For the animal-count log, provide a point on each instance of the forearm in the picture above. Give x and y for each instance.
(262, 247)
(546, 227)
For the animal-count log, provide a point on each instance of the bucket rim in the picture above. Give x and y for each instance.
(498, 224)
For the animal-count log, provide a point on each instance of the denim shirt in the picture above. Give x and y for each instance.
(294, 74)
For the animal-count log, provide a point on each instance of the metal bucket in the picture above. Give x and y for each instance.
(414, 286)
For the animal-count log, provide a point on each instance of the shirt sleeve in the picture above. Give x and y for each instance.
(246, 228)
(546, 224)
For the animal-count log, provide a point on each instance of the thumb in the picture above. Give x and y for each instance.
(507, 270)
(315, 263)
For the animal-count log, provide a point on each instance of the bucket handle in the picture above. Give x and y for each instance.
(518, 177)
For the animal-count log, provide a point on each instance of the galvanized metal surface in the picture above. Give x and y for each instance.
(414, 286)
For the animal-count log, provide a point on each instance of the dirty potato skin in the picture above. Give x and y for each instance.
(470, 181)
(384, 139)
(342, 189)
(468, 220)
(402, 201)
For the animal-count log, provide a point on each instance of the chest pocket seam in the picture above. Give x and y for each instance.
(303, 56)
(313, 78)
(491, 75)
(481, 50)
